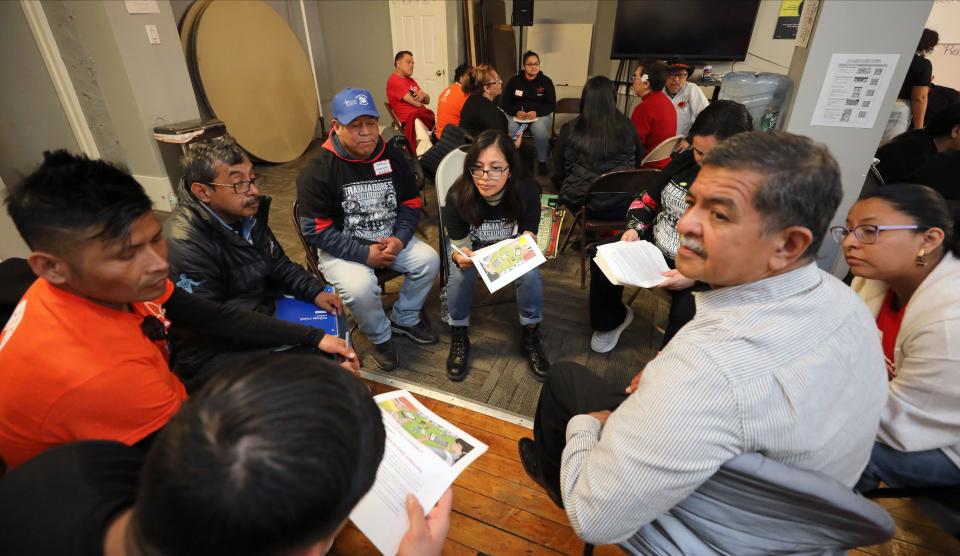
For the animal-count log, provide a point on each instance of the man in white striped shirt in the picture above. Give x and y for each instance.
(781, 358)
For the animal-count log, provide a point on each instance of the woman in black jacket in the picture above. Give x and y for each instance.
(530, 95)
(600, 140)
(483, 85)
(491, 202)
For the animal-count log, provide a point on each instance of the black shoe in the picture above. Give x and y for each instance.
(459, 353)
(530, 458)
(532, 347)
(542, 169)
(385, 356)
(420, 333)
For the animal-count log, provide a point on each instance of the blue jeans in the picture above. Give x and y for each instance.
(460, 295)
(907, 469)
(357, 285)
(541, 134)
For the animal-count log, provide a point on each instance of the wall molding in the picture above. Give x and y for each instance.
(43, 35)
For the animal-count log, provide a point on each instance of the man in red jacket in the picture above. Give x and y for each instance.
(655, 117)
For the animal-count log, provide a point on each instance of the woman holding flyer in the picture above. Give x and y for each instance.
(492, 201)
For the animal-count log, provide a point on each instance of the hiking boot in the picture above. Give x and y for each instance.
(459, 353)
(385, 356)
(420, 333)
(604, 342)
(532, 347)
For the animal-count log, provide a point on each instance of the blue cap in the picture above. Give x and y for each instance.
(349, 104)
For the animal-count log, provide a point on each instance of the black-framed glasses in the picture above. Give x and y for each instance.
(494, 82)
(532, 64)
(866, 233)
(242, 187)
(492, 173)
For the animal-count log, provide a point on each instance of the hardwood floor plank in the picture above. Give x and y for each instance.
(534, 500)
(485, 538)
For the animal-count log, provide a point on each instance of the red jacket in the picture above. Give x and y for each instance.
(656, 120)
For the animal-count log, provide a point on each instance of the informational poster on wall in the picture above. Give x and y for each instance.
(853, 89)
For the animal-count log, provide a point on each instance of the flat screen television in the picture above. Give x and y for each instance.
(694, 30)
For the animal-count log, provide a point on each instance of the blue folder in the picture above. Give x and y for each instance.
(302, 312)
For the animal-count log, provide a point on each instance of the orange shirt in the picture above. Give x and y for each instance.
(71, 369)
(449, 106)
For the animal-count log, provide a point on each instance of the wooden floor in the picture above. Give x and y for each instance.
(497, 509)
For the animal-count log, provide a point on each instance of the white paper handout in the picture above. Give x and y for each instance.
(505, 261)
(632, 263)
(853, 89)
(423, 455)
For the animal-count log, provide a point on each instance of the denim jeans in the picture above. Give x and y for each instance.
(541, 134)
(907, 469)
(357, 285)
(460, 295)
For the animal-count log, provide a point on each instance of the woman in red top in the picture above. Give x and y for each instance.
(901, 245)
(655, 117)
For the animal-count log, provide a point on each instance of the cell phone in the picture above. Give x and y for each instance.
(519, 132)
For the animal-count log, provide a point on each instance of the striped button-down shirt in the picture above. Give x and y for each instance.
(788, 366)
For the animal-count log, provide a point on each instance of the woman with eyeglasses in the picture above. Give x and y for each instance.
(902, 247)
(490, 202)
(531, 95)
(483, 85)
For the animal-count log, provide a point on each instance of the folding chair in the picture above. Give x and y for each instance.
(621, 182)
(395, 123)
(755, 505)
(662, 151)
(383, 275)
(564, 106)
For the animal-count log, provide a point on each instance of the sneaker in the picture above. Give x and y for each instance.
(385, 356)
(459, 353)
(420, 333)
(603, 342)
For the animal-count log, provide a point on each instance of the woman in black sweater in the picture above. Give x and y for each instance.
(490, 202)
(531, 95)
(482, 84)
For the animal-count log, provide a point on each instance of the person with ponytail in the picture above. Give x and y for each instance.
(901, 246)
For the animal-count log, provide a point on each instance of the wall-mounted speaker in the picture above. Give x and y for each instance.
(522, 13)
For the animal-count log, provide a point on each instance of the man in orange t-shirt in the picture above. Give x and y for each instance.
(450, 102)
(84, 354)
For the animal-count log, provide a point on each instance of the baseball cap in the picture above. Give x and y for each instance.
(349, 104)
(674, 69)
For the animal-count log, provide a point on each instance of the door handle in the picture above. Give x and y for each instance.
(439, 73)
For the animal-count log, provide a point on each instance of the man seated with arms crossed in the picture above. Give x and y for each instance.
(84, 355)
(221, 248)
(230, 474)
(407, 100)
(780, 358)
(359, 207)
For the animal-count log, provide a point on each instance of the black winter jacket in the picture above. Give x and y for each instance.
(575, 172)
(209, 260)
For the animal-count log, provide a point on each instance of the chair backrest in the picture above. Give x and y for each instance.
(755, 505)
(662, 151)
(450, 168)
(623, 181)
(873, 181)
(309, 251)
(567, 106)
(393, 116)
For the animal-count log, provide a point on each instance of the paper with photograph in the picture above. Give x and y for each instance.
(423, 455)
(505, 261)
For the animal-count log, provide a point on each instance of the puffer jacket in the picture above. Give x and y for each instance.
(209, 260)
(575, 172)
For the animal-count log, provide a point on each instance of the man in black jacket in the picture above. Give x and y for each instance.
(221, 248)
(359, 207)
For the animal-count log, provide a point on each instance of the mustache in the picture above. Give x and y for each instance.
(693, 244)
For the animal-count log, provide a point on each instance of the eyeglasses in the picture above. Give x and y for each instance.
(492, 173)
(498, 80)
(644, 78)
(865, 233)
(242, 187)
(532, 64)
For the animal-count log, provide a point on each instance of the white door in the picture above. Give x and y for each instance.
(420, 26)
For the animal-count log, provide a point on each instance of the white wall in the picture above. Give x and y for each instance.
(945, 19)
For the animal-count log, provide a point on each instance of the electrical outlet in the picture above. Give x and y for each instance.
(152, 35)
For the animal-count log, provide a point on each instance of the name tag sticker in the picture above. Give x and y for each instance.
(518, 92)
(382, 167)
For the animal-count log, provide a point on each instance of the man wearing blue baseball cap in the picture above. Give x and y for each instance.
(359, 207)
